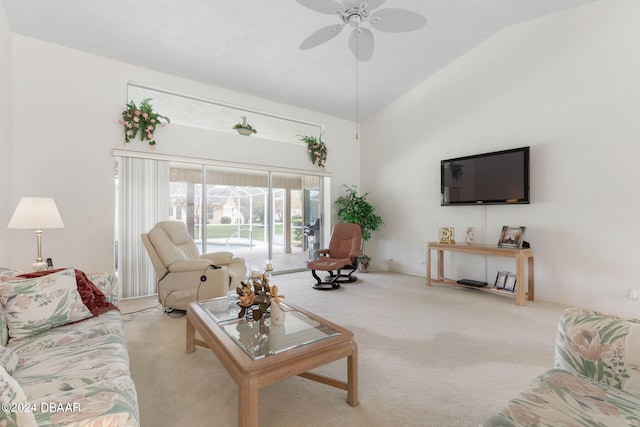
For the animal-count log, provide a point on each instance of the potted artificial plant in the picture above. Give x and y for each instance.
(356, 209)
(244, 128)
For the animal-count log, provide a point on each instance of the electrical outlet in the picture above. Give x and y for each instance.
(633, 294)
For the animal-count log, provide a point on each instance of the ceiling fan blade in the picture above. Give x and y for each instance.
(361, 44)
(374, 3)
(397, 20)
(323, 6)
(324, 34)
(351, 3)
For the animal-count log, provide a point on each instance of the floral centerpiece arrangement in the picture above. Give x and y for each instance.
(141, 120)
(258, 293)
(317, 149)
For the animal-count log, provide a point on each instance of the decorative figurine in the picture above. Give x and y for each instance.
(471, 238)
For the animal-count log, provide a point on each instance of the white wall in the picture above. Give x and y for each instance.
(5, 137)
(567, 85)
(65, 125)
(6, 208)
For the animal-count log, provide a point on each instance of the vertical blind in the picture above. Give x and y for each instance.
(143, 200)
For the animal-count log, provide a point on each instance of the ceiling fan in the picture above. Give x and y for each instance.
(355, 13)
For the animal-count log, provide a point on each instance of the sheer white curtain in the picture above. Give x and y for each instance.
(143, 200)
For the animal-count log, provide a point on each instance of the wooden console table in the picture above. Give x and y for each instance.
(521, 255)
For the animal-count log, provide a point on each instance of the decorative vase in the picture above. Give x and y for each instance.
(363, 264)
(277, 314)
(245, 132)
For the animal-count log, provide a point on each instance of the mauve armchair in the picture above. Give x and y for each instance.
(344, 249)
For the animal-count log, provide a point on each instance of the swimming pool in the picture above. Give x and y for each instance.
(232, 246)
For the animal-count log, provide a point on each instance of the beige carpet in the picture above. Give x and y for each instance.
(428, 356)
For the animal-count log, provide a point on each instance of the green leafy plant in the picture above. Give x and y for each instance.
(244, 125)
(297, 232)
(317, 149)
(141, 120)
(355, 208)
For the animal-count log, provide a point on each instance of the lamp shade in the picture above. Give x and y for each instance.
(36, 213)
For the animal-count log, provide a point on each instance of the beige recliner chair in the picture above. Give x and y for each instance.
(183, 274)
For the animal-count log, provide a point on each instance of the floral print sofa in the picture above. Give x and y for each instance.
(63, 356)
(596, 380)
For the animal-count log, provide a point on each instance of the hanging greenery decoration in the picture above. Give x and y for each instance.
(141, 120)
(317, 149)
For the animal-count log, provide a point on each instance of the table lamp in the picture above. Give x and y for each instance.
(36, 213)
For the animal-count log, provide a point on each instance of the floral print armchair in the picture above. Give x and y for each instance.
(596, 381)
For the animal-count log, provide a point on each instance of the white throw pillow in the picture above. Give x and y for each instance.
(35, 305)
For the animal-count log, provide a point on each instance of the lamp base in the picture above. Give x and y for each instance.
(40, 266)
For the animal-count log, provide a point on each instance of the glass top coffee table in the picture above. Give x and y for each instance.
(256, 353)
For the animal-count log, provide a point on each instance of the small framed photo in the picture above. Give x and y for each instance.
(511, 237)
(506, 281)
(510, 282)
(501, 279)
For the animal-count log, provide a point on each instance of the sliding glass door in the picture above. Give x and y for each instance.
(257, 215)
(288, 244)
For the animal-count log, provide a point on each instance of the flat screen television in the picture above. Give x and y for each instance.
(500, 177)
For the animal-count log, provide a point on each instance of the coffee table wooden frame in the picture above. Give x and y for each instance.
(252, 375)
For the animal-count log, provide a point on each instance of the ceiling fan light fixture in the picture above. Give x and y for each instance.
(355, 20)
(355, 13)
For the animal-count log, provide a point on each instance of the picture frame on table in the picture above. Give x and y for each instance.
(510, 282)
(511, 237)
(505, 281)
(501, 279)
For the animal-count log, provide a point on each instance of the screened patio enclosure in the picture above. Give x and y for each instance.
(257, 215)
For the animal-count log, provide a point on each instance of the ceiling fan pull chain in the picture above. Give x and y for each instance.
(357, 97)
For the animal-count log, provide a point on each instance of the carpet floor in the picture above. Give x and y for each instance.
(428, 356)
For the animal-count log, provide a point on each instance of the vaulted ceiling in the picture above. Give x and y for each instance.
(252, 46)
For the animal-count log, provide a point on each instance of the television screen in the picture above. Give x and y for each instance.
(501, 177)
